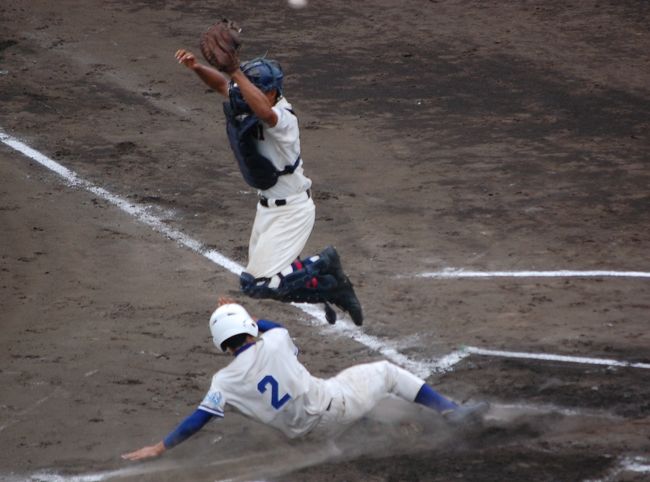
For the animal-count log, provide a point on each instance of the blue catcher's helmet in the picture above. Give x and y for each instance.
(265, 74)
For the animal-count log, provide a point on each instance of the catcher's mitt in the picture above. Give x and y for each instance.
(220, 45)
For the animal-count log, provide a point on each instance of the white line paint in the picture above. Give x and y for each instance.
(140, 212)
(94, 477)
(144, 214)
(344, 327)
(446, 363)
(173, 470)
(18, 417)
(551, 357)
(457, 273)
(636, 464)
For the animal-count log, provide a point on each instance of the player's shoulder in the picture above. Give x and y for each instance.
(286, 115)
(277, 333)
(283, 103)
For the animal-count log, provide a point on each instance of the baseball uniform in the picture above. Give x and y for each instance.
(280, 233)
(267, 383)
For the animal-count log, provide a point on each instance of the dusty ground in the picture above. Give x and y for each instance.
(480, 135)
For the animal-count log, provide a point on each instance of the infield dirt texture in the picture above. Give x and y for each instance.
(486, 136)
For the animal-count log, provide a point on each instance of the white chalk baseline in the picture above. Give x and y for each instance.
(457, 273)
(424, 368)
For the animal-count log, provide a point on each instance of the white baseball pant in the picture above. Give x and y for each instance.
(358, 389)
(279, 235)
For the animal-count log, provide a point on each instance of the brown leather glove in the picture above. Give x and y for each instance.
(220, 45)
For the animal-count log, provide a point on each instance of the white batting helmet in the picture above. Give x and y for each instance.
(230, 320)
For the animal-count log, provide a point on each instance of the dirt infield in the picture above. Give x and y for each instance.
(439, 134)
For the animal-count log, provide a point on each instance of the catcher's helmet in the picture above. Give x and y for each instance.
(230, 320)
(265, 74)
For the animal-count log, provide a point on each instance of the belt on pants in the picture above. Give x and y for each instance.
(266, 202)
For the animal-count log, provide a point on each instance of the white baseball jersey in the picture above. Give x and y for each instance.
(280, 233)
(281, 144)
(267, 383)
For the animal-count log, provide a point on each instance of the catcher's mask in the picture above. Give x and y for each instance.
(265, 74)
(230, 320)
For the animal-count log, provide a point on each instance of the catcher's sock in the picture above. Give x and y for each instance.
(276, 279)
(298, 264)
(428, 397)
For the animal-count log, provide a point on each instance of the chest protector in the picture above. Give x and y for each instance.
(243, 132)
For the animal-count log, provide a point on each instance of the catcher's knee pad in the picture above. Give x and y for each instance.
(255, 287)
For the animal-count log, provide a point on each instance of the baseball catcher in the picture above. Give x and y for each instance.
(263, 132)
(267, 383)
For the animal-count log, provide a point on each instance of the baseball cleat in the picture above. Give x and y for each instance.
(333, 263)
(346, 299)
(330, 314)
(466, 414)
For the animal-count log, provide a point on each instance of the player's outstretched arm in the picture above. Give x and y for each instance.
(146, 452)
(185, 430)
(211, 77)
(255, 98)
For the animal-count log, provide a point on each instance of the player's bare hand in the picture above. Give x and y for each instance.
(186, 58)
(225, 300)
(146, 452)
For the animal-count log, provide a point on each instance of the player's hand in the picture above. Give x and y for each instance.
(186, 58)
(225, 300)
(146, 452)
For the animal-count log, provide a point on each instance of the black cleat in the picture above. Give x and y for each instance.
(346, 299)
(332, 263)
(330, 314)
(466, 414)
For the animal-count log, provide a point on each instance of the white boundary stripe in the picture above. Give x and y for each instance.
(139, 211)
(457, 273)
(636, 464)
(446, 363)
(627, 464)
(550, 357)
(143, 213)
(18, 416)
(421, 368)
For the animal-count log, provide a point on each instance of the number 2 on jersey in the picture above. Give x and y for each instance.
(275, 389)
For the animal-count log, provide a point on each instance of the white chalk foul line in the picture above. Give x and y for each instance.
(144, 214)
(549, 357)
(457, 273)
(636, 464)
(19, 416)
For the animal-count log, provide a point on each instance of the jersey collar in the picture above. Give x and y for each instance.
(243, 348)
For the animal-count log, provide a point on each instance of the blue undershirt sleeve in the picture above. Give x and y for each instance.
(187, 428)
(266, 325)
